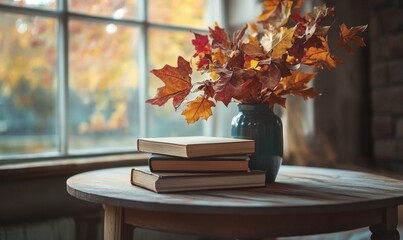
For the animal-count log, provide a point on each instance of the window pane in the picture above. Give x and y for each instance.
(179, 12)
(27, 84)
(103, 83)
(49, 4)
(164, 48)
(110, 8)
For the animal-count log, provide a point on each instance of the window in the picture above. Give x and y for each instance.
(74, 74)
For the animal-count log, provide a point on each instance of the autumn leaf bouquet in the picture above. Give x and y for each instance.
(261, 63)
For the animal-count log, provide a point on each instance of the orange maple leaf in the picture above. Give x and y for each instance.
(318, 57)
(348, 37)
(276, 13)
(198, 108)
(177, 83)
(297, 81)
(297, 85)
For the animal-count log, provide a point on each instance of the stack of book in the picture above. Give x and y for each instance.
(196, 163)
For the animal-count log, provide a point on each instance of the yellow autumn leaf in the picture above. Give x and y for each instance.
(254, 64)
(278, 41)
(276, 13)
(198, 108)
(214, 75)
(282, 41)
(219, 56)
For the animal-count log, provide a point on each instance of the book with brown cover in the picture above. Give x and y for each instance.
(196, 146)
(164, 163)
(177, 182)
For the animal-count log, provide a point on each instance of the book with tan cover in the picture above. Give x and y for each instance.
(196, 146)
(176, 182)
(165, 163)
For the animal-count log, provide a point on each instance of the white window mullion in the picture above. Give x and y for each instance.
(143, 70)
(216, 8)
(63, 77)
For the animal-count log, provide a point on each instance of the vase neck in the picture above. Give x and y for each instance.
(258, 107)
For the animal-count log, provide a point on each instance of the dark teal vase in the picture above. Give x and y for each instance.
(258, 122)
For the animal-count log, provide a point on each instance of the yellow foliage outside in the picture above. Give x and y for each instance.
(103, 58)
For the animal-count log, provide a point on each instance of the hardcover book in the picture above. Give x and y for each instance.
(164, 163)
(176, 182)
(196, 146)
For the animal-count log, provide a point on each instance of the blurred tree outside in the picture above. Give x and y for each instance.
(27, 83)
(103, 73)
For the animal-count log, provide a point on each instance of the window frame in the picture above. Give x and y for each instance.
(62, 15)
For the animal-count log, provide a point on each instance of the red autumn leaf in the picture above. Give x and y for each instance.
(348, 37)
(318, 57)
(203, 62)
(237, 36)
(237, 61)
(282, 66)
(202, 45)
(224, 91)
(207, 87)
(297, 18)
(277, 69)
(220, 38)
(272, 78)
(177, 83)
(251, 90)
(198, 108)
(229, 83)
(297, 50)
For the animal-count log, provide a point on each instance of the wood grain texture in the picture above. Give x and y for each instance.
(298, 190)
(244, 226)
(114, 226)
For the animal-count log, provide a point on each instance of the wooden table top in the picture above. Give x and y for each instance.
(297, 190)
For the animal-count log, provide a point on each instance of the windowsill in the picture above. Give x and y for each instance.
(67, 166)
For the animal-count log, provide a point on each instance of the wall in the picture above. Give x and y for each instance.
(386, 35)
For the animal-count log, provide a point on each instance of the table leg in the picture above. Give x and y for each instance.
(386, 230)
(114, 226)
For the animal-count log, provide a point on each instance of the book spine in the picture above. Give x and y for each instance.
(131, 177)
(138, 144)
(150, 164)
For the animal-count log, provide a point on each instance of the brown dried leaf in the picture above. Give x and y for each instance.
(252, 50)
(348, 37)
(318, 57)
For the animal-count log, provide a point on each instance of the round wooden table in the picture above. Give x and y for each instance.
(304, 200)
